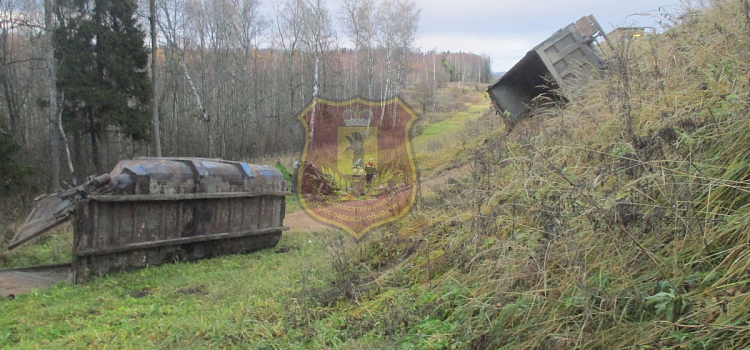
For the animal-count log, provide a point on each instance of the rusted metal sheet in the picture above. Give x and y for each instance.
(49, 212)
(160, 210)
(548, 66)
(54, 209)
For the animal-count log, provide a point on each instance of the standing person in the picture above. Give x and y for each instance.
(370, 170)
(357, 176)
(296, 173)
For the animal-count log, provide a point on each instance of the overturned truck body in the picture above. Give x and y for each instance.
(150, 211)
(547, 67)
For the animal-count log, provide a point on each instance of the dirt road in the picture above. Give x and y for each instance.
(24, 280)
(299, 221)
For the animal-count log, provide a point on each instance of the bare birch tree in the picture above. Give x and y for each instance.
(247, 25)
(54, 116)
(396, 31)
(288, 32)
(154, 91)
(318, 42)
(359, 26)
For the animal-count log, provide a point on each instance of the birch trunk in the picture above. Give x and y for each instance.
(154, 92)
(54, 119)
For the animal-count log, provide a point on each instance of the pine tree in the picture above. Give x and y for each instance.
(103, 75)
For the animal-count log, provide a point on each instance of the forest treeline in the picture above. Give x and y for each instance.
(229, 77)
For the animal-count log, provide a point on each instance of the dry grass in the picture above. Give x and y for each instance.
(621, 221)
(617, 222)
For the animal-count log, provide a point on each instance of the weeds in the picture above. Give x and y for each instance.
(625, 231)
(617, 222)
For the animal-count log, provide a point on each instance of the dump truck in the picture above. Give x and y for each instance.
(547, 67)
(150, 211)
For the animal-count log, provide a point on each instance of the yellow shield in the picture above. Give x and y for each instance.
(358, 170)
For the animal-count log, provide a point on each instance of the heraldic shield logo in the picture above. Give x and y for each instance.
(357, 170)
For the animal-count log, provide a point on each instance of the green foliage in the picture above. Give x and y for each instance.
(53, 247)
(13, 173)
(102, 73)
(450, 68)
(334, 179)
(667, 305)
(571, 233)
(308, 297)
(284, 172)
(292, 204)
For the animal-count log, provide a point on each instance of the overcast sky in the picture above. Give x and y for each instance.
(507, 29)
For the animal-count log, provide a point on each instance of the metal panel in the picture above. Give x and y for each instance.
(54, 209)
(204, 220)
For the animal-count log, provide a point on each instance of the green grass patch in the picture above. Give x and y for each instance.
(292, 203)
(455, 122)
(53, 247)
(258, 301)
(452, 124)
(439, 143)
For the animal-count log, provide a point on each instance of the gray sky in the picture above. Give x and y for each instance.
(506, 29)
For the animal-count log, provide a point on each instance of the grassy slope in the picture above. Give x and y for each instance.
(620, 222)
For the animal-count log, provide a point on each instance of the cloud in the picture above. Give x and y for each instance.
(507, 29)
(504, 52)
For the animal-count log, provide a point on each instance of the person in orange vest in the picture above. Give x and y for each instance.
(370, 170)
